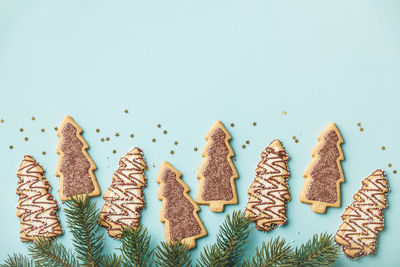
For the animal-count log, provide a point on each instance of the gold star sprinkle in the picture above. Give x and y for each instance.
(117, 134)
(107, 139)
(11, 146)
(2, 120)
(359, 124)
(26, 139)
(232, 125)
(383, 148)
(390, 165)
(44, 153)
(195, 149)
(21, 129)
(176, 143)
(172, 152)
(131, 135)
(102, 139)
(33, 118)
(153, 140)
(165, 132)
(296, 141)
(243, 146)
(158, 125)
(126, 111)
(247, 142)
(114, 151)
(56, 128)
(284, 112)
(394, 171)
(254, 123)
(361, 129)
(97, 130)
(42, 130)
(294, 137)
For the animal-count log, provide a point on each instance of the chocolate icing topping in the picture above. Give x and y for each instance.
(178, 209)
(217, 171)
(326, 171)
(74, 166)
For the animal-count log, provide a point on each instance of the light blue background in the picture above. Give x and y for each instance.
(186, 64)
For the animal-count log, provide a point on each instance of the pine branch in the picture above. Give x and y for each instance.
(48, 253)
(174, 255)
(18, 260)
(275, 253)
(136, 247)
(112, 260)
(231, 241)
(83, 222)
(318, 251)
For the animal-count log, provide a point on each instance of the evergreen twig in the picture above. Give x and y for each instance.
(173, 255)
(275, 253)
(318, 251)
(18, 260)
(83, 222)
(213, 256)
(112, 260)
(50, 253)
(136, 247)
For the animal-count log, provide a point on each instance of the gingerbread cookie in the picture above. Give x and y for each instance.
(75, 167)
(323, 176)
(217, 173)
(269, 192)
(178, 210)
(363, 219)
(124, 199)
(36, 206)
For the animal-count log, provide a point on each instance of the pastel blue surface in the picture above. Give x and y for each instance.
(186, 64)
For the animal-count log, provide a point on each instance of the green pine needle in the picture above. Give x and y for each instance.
(275, 253)
(231, 241)
(318, 251)
(136, 247)
(48, 253)
(83, 222)
(112, 260)
(18, 260)
(174, 255)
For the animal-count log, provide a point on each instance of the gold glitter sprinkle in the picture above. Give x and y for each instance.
(359, 124)
(195, 149)
(131, 135)
(21, 129)
(172, 152)
(394, 171)
(153, 140)
(232, 124)
(97, 130)
(117, 134)
(44, 153)
(176, 143)
(114, 151)
(165, 132)
(383, 148)
(11, 147)
(247, 142)
(107, 139)
(284, 112)
(33, 118)
(254, 123)
(390, 165)
(294, 137)
(2, 120)
(102, 139)
(296, 141)
(361, 129)
(56, 128)
(42, 130)
(126, 111)
(26, 139)
(243, 146)
(158, 125)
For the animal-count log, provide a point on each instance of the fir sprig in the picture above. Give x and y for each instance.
(172, 255)
(112, 260)
(275, 253)
(48, 253)
(18, 260)
(231, 241)
(318, 251)
(136, 247)
(83, 222)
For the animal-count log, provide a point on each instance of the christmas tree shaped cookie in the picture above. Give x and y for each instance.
(178, 210)
(124, 199)
(363, 219)
(323, 176)
(269, 192)
(36, 206)
(217, 173)
(75, 167)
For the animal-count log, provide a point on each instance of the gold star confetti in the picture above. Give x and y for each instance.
(359, 124)
(195, 149)
(131, 135)
(243, 146)
(56, 128)
(158, 125)
(254, 123)
(44, 153)
(21, 129)
(383, 148)
(394, 171)
(296, 141)
(97, 130)
(33, 118)
(126, 111)
(107, 139)
(2, 120)
(102, 139)
(153, 140)
(165, 132)
(294, 137)
(117, 134)
(42, 130)
(11, 146)
(284, 112)
(247, 142)
(114, 151)
(176, 143)
(26, 139)
(361, 129)
(390, 165)
(172, 152)
(232, 125)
